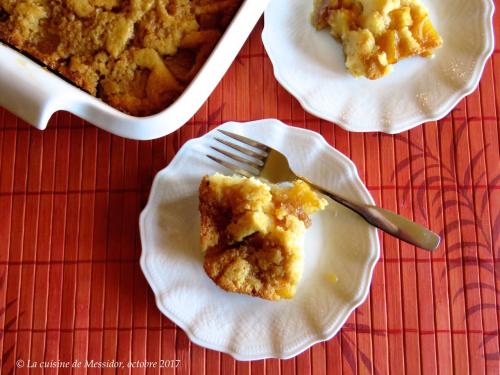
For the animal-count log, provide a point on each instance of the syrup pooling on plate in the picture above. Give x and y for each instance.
(136, 55)
(252, 233)
(377, 33)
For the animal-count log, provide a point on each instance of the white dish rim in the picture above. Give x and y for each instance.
(35, 93)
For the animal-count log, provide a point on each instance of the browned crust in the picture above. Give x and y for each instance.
(36, 44)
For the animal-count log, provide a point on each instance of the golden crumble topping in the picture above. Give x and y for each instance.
(377, 33)
(136, 55)
(252, 233)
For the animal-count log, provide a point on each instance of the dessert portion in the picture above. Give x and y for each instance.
(252, 233)
(136, 55)
(377, 33)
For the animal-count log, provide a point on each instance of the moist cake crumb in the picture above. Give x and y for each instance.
(377, 33)
(252, 233)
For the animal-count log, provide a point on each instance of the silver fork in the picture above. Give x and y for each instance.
(265, 162)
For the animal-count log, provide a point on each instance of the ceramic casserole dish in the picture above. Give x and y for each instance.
(34, 93)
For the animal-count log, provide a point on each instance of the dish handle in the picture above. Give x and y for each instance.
(34, 103)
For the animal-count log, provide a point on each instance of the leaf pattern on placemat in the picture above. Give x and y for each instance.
(350, 349)
(7, 365)
(462, 194)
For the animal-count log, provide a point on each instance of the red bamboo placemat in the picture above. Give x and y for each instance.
(71, 290)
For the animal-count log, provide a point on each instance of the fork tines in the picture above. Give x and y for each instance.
(245, 140)
(252, 159)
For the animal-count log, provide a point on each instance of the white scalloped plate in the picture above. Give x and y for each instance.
(339, 242)
(310, 65)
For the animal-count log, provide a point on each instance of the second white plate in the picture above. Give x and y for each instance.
(310, 65)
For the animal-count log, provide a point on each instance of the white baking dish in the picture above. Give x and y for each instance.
(34, 93)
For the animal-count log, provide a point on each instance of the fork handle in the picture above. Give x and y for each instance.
(390, 222)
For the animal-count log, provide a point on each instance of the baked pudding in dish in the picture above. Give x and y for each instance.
(252, 233)
(136, 55)
(377, 33)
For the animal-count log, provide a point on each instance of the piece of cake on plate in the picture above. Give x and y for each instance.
(252, 233)
(377, 33)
